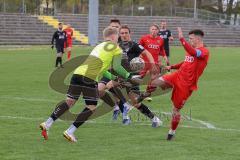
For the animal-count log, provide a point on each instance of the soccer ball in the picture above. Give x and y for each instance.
(137, 64)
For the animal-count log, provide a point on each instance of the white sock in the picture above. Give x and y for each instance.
(49, 122)
(71, 129)
(172, 132)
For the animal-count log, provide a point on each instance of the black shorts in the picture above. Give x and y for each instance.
(83, 85)
(60, 48)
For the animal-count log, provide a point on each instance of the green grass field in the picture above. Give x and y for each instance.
(26, 100)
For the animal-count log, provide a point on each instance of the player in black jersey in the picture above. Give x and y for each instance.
(166, 35)
(59, 37)
(131, 50)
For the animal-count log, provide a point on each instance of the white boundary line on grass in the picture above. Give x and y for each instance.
(136, 123)
(204, 123)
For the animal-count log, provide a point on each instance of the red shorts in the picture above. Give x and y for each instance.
(69, 42)
(180, 92)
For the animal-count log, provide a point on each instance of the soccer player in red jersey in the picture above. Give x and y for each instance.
(68, 43)
(155, 45)
(184, 80)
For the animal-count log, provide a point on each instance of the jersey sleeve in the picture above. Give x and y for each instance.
(176, 66)
(54, 37)
(116, 65)
(138, 48)
(199, 53)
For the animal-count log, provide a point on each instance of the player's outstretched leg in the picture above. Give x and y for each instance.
(60, 109)
(176, 117)
(156, 122)
(81, 118)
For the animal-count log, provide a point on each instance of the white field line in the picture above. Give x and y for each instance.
(204, 123)
(208, 125)
(134, 124)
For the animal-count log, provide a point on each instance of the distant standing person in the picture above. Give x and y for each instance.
(68, 43)
(59, 37)
(166, 35)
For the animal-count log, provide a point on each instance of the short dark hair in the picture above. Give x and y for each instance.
(125, 27)
(115, 21)
(197, 32)
(60, 23)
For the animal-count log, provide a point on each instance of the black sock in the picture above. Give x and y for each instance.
(118, 93)
(57, 60)
(61, 108)
(60, 60)
(145, 110)
(107, 99)
(82, 117)
(120, 104)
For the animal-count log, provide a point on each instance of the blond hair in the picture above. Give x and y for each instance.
(109, 31)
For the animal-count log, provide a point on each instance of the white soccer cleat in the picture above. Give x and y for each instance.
(69, 137)
(156, 122)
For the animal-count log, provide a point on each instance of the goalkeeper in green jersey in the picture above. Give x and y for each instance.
(84, 81)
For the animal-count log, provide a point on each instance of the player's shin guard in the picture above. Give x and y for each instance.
(175, 121)
(107, 99)
(118, 93)
(146, 111)
(61, 108)
(121, 106)
(82, 117)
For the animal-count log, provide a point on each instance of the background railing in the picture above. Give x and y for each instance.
(21, 6)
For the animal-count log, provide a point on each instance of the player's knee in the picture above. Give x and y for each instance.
(70, 102)
(110, 85)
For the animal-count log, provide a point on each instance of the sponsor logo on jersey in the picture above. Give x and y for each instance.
(189, 59)
(153, 46)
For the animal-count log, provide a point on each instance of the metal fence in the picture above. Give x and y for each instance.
(23, 6)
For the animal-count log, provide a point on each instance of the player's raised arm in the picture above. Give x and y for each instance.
(189, 48)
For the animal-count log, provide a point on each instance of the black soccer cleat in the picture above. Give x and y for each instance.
(170, 137)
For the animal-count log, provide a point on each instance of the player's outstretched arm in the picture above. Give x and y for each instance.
(175, 66)
(118, 67)
(185, 44)
(151, 60)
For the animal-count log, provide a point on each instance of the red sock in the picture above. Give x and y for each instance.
(69, 55)
(175, 121)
